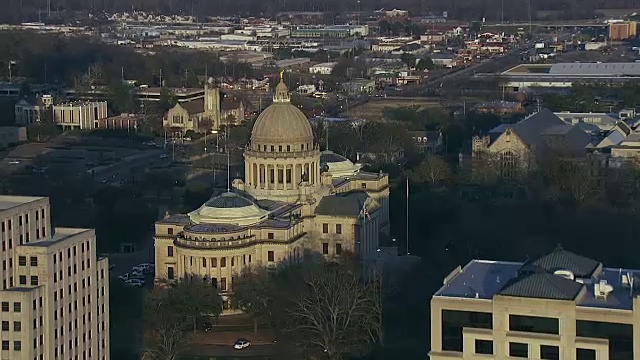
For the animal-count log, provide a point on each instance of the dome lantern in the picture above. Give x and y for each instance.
(282, 92)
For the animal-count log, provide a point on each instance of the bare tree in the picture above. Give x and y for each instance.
(432, 170)
(167, 336)
(253, 292)
(335, 312)
(193, 299)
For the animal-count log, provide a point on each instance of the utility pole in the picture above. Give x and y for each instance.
(530, 32)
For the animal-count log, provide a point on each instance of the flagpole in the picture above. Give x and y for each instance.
(407, 225)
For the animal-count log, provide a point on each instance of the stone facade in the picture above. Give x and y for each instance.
(286, 208)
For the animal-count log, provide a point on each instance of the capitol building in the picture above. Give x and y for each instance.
(295, 201)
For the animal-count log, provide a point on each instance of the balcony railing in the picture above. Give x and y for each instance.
(218, 244)
(281, 155)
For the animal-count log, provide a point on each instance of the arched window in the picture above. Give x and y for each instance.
(508, 164)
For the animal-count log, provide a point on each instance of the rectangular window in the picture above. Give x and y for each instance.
(233, 261)
(214, 262)
(5, 306)
(17, 346)
(17, 307)
(170, 273)
(548, 352)
(5, 345)
(338, 228)
(22, 280)
(338, 249)
(34, 281)
(519, 350)
(620, 336)
(484, 347)
(170, 251)
(5, 326)
(33, 260)
(325, 248)
(270, 236)
(204, 262)
(585, 354)
(325, 228)
(22, 261)
(223, 284)
(534, 324)
(17, 326)
(170, 231)
(454, 321)
(223, 262)
(270, 256)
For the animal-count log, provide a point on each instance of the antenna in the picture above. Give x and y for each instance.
(226, 134)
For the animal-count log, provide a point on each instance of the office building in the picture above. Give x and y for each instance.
(55, 291)
(623, 30)
(80, 115)
(559, 306)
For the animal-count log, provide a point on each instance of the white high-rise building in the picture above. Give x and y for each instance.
(54, 302)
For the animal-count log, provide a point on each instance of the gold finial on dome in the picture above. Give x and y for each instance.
(282, 92)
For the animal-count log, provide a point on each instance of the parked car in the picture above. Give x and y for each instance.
(128, 276)
(135, 282)
(144, 268)
(241, 344)
(137, 273)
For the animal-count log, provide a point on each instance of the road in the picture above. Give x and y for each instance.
(254, 351)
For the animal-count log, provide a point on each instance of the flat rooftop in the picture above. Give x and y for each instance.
(59, 234)
(9, 201)
(484, 279)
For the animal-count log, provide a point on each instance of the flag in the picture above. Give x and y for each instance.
(364, 212)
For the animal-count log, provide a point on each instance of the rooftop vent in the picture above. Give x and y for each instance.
(601, 289)
(567, 274)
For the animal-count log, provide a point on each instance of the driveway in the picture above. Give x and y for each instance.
(211, 350)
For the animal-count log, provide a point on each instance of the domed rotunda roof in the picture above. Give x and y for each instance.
(282, 122)
(228, 208)
(337, 165)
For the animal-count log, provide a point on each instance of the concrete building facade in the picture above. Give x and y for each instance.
(559, 306)
(80, 115)
(293, 202)
(12, 135)
(54, 298)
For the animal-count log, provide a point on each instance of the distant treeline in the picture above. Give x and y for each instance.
(23, 10)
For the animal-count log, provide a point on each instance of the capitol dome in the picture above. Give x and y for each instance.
(282, 123)
(228, 208)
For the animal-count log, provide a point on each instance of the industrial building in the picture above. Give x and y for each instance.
(563, 75)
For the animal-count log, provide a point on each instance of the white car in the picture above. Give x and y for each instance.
(144, 268)
(14, 162)
(135, 282)
(132, 275)
(241, 344)
(164, 156)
